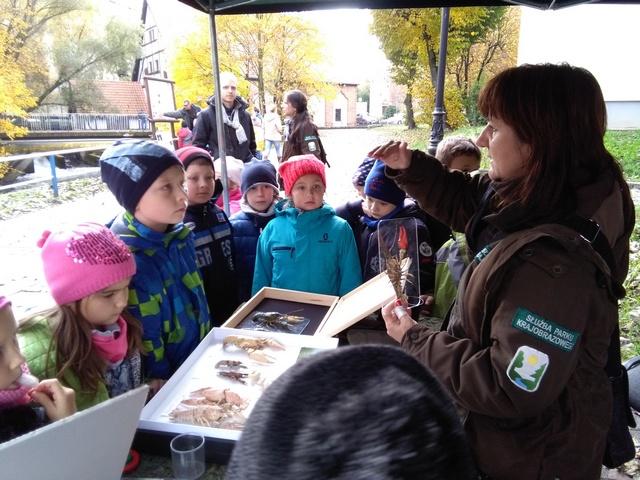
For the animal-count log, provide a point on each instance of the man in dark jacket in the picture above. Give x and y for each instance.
(189, 112)
(239, 136)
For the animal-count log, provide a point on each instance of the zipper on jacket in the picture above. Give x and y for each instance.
(280, 249)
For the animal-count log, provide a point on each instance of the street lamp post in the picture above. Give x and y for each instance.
(437, 129)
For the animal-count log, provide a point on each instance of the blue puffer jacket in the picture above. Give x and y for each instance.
(165, 294)
(246, 230)
(310, 251)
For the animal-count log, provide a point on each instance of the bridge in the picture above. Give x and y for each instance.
(83, 125)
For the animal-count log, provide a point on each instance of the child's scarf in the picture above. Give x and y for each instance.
(111, 344)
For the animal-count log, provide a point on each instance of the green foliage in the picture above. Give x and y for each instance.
(630, 305)
(389, 111)
(624, 145)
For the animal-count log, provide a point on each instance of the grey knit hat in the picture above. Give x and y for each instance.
(356, 413)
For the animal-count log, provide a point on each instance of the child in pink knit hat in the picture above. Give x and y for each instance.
(306, 247)
(20, 392)
(88, 341)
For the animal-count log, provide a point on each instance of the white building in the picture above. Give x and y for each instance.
(604, 39)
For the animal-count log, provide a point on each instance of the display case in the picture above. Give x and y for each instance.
(214, 390)
(309, 313)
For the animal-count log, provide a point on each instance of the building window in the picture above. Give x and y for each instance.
(338, 114)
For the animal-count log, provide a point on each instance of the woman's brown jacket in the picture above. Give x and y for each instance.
(526, 346)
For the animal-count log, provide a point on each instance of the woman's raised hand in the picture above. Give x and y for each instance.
(395, 155)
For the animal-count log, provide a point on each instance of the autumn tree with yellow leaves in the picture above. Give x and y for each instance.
(481, 41)
(276, 52)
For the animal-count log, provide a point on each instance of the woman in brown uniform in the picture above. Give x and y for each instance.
(526, 344)
(302, 136)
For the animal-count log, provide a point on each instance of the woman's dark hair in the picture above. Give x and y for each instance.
(298, 101)
(559, 111)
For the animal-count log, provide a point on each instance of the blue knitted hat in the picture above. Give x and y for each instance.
(379, 186)
(130, 167)
(258, 172)
(360, 175)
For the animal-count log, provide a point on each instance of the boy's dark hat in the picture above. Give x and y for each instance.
(129, 167)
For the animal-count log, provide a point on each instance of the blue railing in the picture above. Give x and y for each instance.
(43, 122)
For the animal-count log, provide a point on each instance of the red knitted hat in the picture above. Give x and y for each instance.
(83, 260)
(189, 153)
(299, 165)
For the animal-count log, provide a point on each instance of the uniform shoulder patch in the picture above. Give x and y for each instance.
(425, 249)
(527, 367)
(549, 332)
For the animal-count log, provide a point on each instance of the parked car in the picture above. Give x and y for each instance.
(361, 120)
(396, 119)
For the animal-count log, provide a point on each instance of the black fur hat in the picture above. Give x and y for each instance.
(366, 412)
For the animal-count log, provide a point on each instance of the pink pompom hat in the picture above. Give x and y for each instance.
(84, 260)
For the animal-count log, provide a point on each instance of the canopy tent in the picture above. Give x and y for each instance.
(227, 7)
(275, 6)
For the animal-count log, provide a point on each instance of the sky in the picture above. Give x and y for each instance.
(353, 54)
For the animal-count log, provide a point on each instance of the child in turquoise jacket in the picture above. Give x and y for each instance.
(306, 247)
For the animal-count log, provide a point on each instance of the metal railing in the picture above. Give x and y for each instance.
(44, 122)
(51, 156)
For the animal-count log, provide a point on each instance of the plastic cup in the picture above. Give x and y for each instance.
(187, 456)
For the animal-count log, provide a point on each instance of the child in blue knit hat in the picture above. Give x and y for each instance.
(257, 208)
(384, 200)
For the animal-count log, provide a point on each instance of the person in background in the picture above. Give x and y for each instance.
(240, 138)
(234, 182)
(213, 234)
(257, 208)
(88, 341)
(462, 155)
(272, 133)
(527, 341)
(367, 412)
(25, 402)
(147, 180)
(302, 137)
(188, 114)
(185, 137)
(306, 247)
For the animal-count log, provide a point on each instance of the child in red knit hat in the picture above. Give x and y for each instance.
(21, 392)
(306, 247)
(88, 341)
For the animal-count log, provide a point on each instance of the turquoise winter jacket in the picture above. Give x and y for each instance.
(311, 251)
(165, 294)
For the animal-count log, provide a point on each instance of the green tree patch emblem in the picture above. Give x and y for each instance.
(527, 368)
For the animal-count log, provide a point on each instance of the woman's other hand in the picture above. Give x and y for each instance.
(395, 155)
(58, 401)
(397, 320)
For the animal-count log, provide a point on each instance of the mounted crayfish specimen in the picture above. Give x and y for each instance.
(397, 239)
(253, 346)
